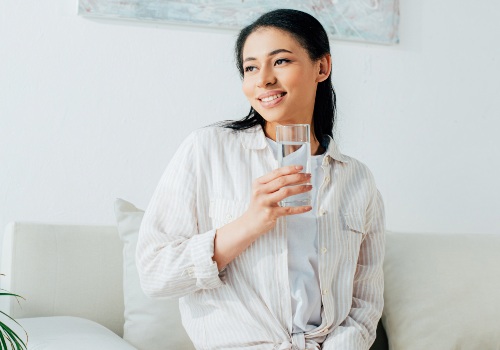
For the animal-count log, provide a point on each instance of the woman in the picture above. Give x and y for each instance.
(252, 274)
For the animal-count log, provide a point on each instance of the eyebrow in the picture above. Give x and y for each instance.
(272, 53)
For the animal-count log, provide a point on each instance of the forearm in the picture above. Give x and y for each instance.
(231, 240)
(186, 265)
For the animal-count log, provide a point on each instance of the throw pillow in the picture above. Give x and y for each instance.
(441, 291)
(150, 324)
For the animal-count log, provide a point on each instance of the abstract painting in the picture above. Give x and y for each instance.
(360, 20)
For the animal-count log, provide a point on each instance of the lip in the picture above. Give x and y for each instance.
(274, 102)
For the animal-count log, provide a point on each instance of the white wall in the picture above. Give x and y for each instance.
(93, 110)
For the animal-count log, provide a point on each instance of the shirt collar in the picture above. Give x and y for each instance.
(254, 138)
(333, 151)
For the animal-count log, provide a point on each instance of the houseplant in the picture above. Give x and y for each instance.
(9, 340)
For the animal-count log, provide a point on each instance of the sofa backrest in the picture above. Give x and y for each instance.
(64, 270)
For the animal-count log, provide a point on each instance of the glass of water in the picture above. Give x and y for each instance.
(294, 148)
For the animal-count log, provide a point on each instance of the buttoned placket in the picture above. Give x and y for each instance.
(331, 169)
(325, 165)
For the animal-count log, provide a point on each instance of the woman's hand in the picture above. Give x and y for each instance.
(267, 191)
(262, 213)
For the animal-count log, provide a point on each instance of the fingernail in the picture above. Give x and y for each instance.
(298, 167)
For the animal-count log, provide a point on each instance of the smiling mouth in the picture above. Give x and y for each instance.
(273, 97)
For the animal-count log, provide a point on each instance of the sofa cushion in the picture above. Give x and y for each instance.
(441, 291)
(75, 333)
(150, 324)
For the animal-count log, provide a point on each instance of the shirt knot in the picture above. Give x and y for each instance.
(298, 342)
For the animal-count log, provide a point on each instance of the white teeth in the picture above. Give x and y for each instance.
(270, 98)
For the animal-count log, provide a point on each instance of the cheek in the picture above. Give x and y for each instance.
(247, 88)
(304, 84)
(301, 79)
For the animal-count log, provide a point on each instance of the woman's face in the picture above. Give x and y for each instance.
(279, 80)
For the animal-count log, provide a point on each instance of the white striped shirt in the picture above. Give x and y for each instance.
(206, 185)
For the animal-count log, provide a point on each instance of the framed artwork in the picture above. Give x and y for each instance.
(373, 21)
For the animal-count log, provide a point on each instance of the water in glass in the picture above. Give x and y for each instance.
(295, 153)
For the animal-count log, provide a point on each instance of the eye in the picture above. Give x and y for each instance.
(249, 69)
(281, 61)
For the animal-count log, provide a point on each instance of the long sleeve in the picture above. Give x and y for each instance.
(173, 258)
(358, 330)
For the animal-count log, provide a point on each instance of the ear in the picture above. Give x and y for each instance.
(325, 68)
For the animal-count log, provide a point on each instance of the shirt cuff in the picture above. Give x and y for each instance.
(205, 269)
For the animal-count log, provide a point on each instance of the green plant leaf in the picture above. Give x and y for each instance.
(2, 340)
(12, 294)
(7, 335)
(1, 323)
(13, 337)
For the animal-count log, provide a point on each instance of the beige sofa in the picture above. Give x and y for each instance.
(82, 289)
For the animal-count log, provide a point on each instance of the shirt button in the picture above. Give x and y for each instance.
(322, 211)
(229, 217)
(324, 250)
(327, 179)
(324, 291)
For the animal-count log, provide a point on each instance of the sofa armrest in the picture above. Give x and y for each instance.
(64, 270)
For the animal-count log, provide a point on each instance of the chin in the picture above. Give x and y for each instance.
(272, 117)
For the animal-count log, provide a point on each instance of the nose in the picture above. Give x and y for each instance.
(266, 77)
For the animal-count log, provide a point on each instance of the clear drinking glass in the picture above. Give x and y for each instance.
(294, 148)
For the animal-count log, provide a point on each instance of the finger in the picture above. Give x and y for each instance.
(286, 180)
(285, 211)
(285, 192)
(286, 170)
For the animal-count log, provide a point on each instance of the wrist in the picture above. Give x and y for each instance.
(246, 225)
